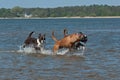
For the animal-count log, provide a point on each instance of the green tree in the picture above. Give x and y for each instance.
(18, 11)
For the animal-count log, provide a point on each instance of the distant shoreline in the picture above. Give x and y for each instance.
(76, 17)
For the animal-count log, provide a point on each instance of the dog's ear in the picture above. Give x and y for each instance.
(80, 33)
(44, 36)
(39, 35)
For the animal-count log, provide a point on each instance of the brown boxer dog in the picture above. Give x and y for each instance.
(66, 42)
(78, 44)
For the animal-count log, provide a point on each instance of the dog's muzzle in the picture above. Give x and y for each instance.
(84, 39)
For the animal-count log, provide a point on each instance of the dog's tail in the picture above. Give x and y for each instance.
(53, 37)
(31, 34)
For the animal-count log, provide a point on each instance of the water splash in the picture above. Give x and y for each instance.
(79, 52)
(46, 52)
(63, 52)
(27, 50)
(31, 50)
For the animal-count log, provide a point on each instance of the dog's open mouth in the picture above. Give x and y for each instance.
(81, 43)
(84, 39)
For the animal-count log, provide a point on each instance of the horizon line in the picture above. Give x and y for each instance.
(62, 6)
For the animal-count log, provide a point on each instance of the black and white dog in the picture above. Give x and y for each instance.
(37, 43)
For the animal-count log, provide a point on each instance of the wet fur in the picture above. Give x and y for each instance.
(66, 42)
(78, 44)
(36, 42)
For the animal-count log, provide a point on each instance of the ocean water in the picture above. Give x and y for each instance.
(99, 61)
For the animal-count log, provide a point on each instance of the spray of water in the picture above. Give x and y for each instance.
(31, 50)
(80, 51)
(26, 50)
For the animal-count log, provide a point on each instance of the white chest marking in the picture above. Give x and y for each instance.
(38, 42)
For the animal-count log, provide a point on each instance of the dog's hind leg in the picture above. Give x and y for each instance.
(55, 49)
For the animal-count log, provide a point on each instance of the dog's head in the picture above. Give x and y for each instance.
(42, 38)
(83, 37)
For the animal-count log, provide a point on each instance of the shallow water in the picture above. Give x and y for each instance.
(100, 60)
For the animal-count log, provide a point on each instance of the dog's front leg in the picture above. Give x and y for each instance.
(55, 49)
(71, 46)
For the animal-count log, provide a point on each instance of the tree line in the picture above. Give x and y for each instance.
(71, 11)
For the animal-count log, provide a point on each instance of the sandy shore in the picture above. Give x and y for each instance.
(63, 17)
(89, 17)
